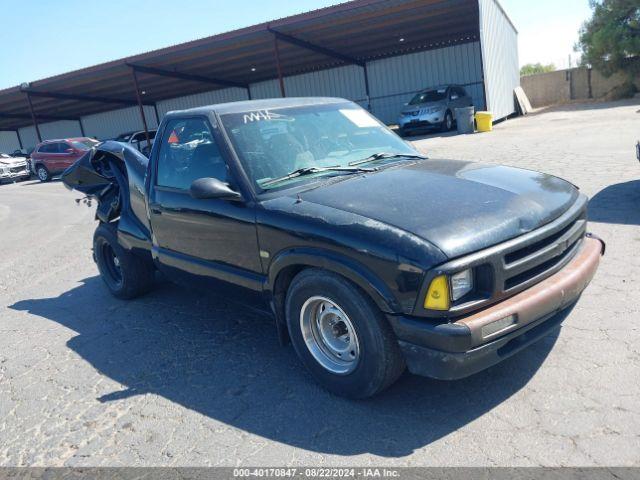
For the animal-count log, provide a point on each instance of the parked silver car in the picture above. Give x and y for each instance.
(433, 108)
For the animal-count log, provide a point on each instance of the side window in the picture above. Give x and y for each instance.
(188, 152)
(462, 92)
(453, 93)
(63, 147)
(49, 148)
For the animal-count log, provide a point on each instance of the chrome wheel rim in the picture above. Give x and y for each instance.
(42, 174)
(329, 335)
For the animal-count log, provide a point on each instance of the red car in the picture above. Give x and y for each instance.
(52, 157)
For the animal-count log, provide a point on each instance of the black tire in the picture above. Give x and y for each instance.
(125, 275)
(447, 123)
(43, 173)
(380, 361)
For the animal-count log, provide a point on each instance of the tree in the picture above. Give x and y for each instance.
(534, 68)
(610, 40)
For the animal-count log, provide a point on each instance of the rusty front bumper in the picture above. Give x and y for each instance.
(482, 339)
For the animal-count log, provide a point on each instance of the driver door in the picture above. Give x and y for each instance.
(211, 239)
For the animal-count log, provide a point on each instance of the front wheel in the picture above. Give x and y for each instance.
(447, 123)
(341, 336)
(43, 173)
(125, 275)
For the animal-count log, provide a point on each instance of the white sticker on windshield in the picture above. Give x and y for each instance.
(360, 118)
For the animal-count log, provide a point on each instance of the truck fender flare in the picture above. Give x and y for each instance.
(352, 270)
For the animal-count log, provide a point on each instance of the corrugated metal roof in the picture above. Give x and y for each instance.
(362, 30)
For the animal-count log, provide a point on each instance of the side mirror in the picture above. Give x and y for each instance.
(204, 188)
(70, 151)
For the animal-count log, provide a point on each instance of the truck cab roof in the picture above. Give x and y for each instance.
(249, 105)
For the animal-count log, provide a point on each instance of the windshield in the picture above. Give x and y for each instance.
(83, 144)
(429, 96)
(273, 143)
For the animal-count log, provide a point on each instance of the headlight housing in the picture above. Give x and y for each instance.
(430, 110)
(445, 289)
(461, 284)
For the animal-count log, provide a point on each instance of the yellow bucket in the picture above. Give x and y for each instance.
(484, 120)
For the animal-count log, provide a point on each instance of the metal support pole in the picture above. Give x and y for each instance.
(276, 50)
(33, 118)
(248, 92)
(19, 139)
(366, 86)
(155, 109)
(139, 98)
(81, 127)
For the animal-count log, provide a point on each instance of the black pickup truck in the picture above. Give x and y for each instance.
(371, 257)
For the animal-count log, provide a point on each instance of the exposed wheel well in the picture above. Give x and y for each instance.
(281, 286)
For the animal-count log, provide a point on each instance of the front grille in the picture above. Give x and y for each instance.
(18, 169)
(531, 263)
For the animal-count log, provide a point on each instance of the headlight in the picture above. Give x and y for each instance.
(461, 284)
(444, 289)
(430, 110)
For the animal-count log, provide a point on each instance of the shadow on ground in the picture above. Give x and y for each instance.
(618, 203)
(223, 361)
(431, 134)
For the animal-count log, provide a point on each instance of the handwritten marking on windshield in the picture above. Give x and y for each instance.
(260, 115)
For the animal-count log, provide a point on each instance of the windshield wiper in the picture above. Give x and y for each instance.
(312, 170)
(384, 156)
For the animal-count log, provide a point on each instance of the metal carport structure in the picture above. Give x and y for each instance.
(375, 52)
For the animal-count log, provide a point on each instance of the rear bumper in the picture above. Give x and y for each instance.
(472, 343)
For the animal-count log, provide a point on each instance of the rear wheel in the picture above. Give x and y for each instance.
(126, 275)
(43, 173)
(341, 336)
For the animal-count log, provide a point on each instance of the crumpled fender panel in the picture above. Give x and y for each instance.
(114, 175)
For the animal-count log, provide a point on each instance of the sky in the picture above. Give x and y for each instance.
(41, 38)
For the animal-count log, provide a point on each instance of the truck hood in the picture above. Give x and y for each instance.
(460, 207)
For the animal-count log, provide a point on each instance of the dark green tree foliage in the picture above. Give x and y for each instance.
(610, 40)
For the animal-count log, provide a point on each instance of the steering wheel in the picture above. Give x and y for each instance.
(322, 146)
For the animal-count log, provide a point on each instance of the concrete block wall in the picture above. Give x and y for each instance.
(566, 85)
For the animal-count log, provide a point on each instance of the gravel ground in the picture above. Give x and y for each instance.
(177, 379)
